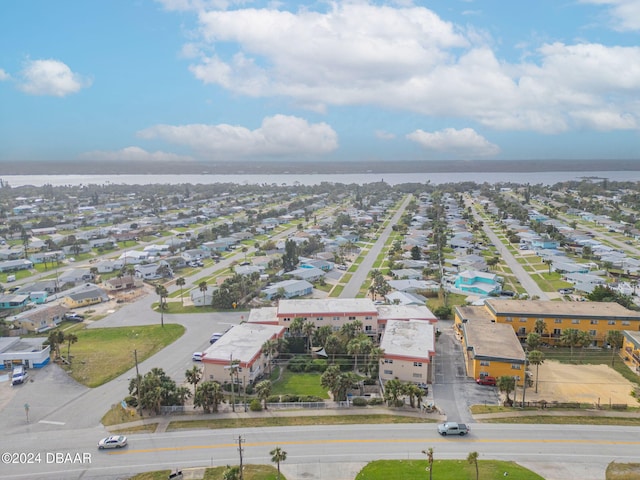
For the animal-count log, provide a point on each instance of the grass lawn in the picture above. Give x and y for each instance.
(101, 354)
(299, 384)
(449, 469)
(250, 472)
(260, 422)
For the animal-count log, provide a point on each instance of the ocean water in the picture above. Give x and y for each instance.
(544, 178)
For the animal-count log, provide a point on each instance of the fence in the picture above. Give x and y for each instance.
(176, 409)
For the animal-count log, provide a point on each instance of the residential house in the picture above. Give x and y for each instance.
(10, 301)
(84, 295)
(40, 319)
(288, 289)
(122, 283)
(15, 265)
(482, 283)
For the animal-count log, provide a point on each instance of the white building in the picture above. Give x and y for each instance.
(409, 348)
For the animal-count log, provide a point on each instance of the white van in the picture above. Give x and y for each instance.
(19, 375)
(11, 278)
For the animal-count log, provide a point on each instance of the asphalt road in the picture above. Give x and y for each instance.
(558, 452)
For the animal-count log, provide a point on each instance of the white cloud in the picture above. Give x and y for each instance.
(410, 59)
(4, 75)
(382, 135)
(278, 135)
(625, 14)
(133, 154)
(460, 142)
(50, 77)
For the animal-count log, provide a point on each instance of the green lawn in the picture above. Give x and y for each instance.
(299, 384)
(101, 354)
(444, 469)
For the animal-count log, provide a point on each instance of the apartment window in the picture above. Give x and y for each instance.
(594, 322)
(515, 366)
(388, 372)
(485, 363)
(417, 375)
(575, 321)
(368, 328)
(625, 322)
(417, 364)
(523, 320)
(286, 319)
(558, 320)
(319, 319)
(352, 318)
(612, 322)
(336, 319)
(368, 317)
(556, 332)
(388, 360)
(509, 319)
(593, 333)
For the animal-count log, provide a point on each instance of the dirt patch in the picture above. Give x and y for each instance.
(597, 384)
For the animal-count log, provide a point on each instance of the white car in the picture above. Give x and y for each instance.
(197, 356)
(114, 441)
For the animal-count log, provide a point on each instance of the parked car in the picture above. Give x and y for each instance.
(74, 317)
(486, 381)
(18, 375)
(114, 441)
(197, 356)
(215, 337)
(452, 428)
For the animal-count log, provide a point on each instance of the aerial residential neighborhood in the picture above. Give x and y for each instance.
(287, 271)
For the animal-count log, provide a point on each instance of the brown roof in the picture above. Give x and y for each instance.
(533, 308)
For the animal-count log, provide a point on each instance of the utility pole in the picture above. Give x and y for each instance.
(524, 386)
(233, 395)
(240, 450)
(135, 357)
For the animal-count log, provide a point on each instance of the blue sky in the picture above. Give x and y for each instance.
(220, 80)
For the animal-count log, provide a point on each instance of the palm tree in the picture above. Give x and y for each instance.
(392, 391)
(536, 357)
(540, 327)
(269, 348)
(278, 455)
(571, 337)
(333, 345)
(202, 286)
(472, 458)
(55, 338)
(70, 338)
(231, 473)
(429, 453)
(295, 328)
(614, 338)
(193, 376)
(263, 390)
(208, 396)
(533, 340)
(549, 263)
(355, 348)
(507, 384)
(307, 330)
(162, 293)
(181, 282)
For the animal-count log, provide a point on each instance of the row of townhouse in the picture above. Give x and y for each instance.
(492, 335)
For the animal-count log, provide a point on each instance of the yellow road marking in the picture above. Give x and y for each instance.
(386, 441)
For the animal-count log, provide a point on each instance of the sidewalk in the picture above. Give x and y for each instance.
(163, 421)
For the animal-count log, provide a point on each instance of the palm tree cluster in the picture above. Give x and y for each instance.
(57, 338)
(156, 389)
(379, 286)
(394, 389)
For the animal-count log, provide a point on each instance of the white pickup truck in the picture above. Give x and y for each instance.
(452, 428)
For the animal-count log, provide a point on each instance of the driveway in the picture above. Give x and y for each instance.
(453, 392)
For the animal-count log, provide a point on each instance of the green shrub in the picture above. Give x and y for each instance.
(309, 398)
(359, 402)
(255, 405)
(249, 390)
(273, 399)
(319, 365)
(297, 364)
(375, 401)
(288, 398)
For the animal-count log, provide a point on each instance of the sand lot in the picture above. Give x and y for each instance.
(579, 383)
